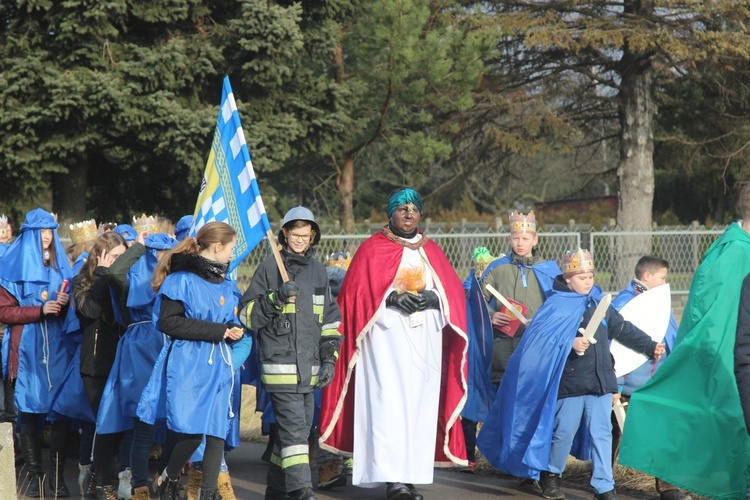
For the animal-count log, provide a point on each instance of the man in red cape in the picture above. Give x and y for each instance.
(368, 294)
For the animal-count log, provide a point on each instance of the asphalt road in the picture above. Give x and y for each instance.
(248, 474)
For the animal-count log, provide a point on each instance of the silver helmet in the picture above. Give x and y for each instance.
(299, 213)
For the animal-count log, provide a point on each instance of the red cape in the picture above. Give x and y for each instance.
(369, 278)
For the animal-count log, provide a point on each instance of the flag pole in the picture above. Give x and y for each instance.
(277, 255)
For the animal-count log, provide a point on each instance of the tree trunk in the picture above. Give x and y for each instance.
(636, 169)
(345, 185)
(69, 193)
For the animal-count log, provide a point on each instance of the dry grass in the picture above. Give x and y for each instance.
(249, 420)
(577, 472)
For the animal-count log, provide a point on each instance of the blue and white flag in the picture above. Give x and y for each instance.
(229, 191)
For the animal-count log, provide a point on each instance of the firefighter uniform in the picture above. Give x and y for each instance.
(294, 339)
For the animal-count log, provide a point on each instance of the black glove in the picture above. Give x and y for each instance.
(284, 293)
(329, 350)
(325, 376)
(429, 300)
(405, 302)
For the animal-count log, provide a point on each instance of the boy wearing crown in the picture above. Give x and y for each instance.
(557, 381)
(522, 276)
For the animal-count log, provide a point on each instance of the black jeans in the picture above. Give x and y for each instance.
(105, 445)
(143, 440)
(186, 446)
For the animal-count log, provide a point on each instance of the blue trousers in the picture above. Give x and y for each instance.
(593, 412)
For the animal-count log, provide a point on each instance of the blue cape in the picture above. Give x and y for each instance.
(199, 368)
(517, 434)
(481, 392)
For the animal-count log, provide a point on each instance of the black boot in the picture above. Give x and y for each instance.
(57, 476)
(167, 487)
(32, 455)
(58, 454)
(208, 494)
(106, 492)
(18, 450)
(550, 485)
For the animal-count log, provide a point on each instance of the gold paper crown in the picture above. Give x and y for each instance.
(340, 259)
(83, 231)
(520, 223)
(145, 223)
(4, 227)
(577, 262)
(105, 227)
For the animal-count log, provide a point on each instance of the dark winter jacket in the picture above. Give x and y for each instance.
(101, 331)
(293, 339)
(593, 373)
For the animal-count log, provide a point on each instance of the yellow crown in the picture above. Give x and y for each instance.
(520, 223)
(83, 231)
(105, 227)
(144, 223)
(340, 259)
(577, 262)
(4, 226)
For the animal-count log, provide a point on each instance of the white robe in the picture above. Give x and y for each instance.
(397, 394)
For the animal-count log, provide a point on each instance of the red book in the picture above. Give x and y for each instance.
(511, 328)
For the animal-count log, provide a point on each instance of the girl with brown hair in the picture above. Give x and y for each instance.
(93, 300)
(196, 306)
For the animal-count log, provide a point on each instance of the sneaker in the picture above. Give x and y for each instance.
(123, 486)
(549, 483)
(331, 474)
(607, 495)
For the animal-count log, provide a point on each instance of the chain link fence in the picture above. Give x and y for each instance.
(458, 247)
(683, 247)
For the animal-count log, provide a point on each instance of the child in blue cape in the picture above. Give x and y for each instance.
(196, 306)
(35, 352)
(558, 386)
